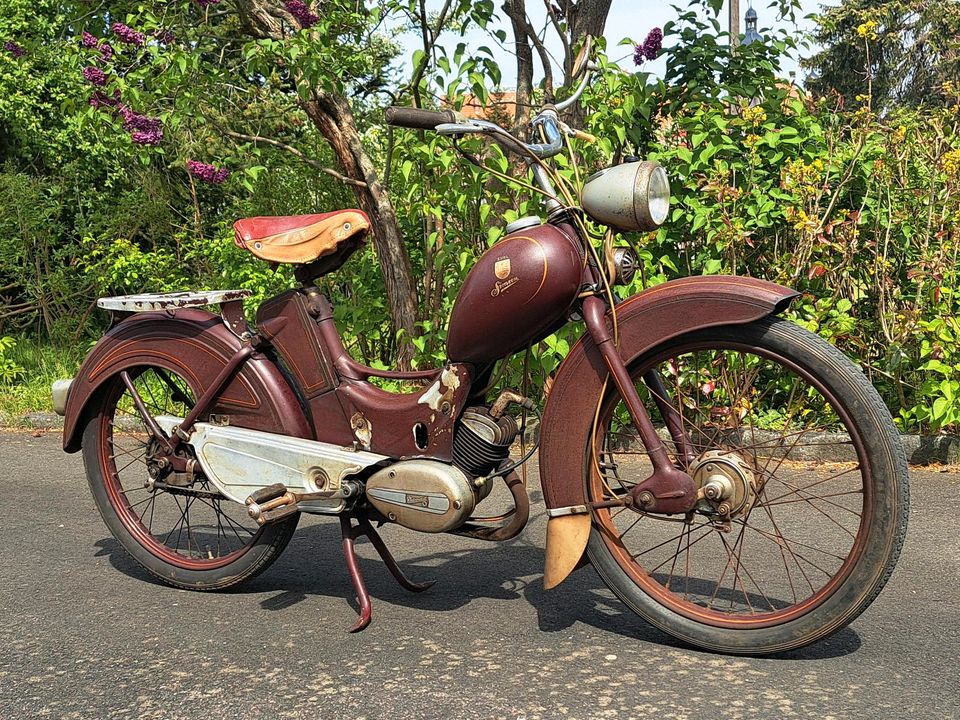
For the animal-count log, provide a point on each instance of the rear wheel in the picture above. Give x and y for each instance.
(181, 529)
(803, 484)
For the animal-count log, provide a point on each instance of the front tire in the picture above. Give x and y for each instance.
(809, 544)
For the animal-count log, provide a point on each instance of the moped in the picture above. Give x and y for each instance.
(680, 442)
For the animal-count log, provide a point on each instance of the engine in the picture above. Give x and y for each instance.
(432, 496)
(482, 441)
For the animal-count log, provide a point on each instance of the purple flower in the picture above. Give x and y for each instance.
(649, 48)
(206, 3)
(128, 35)
(101, 99)
(135, 121)
(166, 37)
(87, 40)
(143, 130)
(14, 49)
(301, 11)
(147, 137)
(95, 76)
(106, 51)
(207, 173)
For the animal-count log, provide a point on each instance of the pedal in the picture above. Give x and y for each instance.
(271, 492)
(271, 503)
(269, 516)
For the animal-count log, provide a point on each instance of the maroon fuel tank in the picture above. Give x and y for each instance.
(517, 293)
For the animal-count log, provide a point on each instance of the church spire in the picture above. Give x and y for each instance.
(751, 35)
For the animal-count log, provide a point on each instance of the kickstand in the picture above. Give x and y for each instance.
(351, 533)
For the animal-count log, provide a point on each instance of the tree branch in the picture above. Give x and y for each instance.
(429, 40)
(297, 153)
(567, 54)
(518, 15)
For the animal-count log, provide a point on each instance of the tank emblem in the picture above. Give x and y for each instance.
(502, 268)
(499, 287)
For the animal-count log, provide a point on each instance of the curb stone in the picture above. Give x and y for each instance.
(826, 447)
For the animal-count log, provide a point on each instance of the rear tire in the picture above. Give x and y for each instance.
(866, 506)
(220, 546)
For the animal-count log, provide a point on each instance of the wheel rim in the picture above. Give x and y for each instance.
(194, 527)
(803, 534)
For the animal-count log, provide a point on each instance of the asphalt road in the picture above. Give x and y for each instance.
(86, 634)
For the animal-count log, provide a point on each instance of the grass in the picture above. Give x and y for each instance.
(42, 364)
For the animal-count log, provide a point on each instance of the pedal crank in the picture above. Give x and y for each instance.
(276, 502)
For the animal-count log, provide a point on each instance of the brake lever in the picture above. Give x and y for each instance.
(459, 128)
(483, 127)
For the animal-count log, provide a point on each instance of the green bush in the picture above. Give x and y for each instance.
(9, 370)
(856, 210)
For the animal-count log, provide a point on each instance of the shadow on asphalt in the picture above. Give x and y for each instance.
(312, 565)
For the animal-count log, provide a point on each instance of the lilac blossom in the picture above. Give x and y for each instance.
(207, 173)
(14, 49)
(88, 41)
(106, 51)
(302, 12)
(101, 99)
(649, 48)
(166, 37)
(95, 76)
(143, 130)
(147, 137)
(128, 35)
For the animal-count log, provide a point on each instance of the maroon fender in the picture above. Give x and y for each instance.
(198, 345)
(645, 321)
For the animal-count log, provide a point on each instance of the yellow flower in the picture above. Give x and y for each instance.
(756, 116)
(951, 162)
(867, 30)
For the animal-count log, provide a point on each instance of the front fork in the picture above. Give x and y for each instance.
(668, 489)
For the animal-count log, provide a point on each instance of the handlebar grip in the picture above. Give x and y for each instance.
(418, 119)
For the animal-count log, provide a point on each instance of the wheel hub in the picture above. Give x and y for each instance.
(726, 483)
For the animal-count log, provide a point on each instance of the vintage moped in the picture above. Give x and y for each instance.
(682, 442)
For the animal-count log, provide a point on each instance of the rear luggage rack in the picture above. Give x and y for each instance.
(170, 301)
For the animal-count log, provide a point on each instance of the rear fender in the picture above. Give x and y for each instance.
(197, 345)
(645, 320)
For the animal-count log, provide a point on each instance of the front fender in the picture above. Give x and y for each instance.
(645, 320)
(197, 345)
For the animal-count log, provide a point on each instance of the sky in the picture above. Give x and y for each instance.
(627, 18)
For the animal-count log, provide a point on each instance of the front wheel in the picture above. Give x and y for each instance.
(803, 491)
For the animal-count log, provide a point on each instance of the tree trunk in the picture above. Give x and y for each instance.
(587, 17)
(516, 11)
(332, 115)
(330, 112)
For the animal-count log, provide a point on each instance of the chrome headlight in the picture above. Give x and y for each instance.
(629, 197)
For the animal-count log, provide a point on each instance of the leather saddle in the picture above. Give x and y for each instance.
(304, 239)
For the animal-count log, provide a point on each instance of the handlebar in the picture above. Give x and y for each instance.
(419, 119)
(546, 125)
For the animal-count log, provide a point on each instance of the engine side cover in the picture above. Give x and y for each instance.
(423, 495)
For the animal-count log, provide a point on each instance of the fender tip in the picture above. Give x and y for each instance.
(567, 537)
